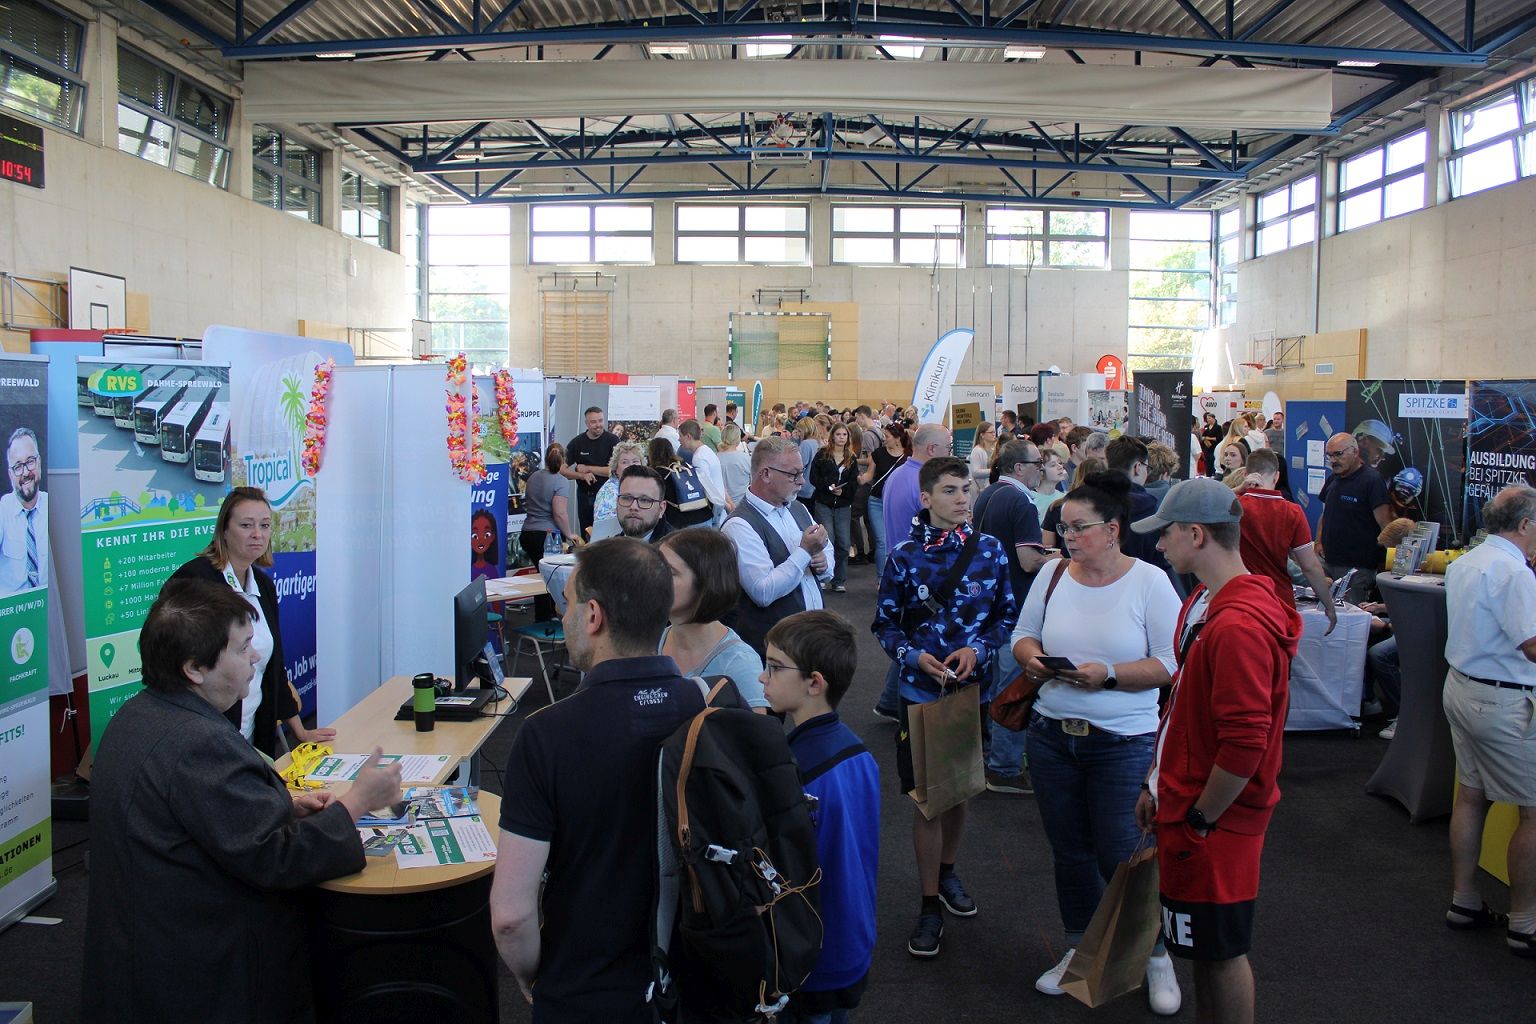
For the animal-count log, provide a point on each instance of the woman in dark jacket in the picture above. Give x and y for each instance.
(835, 477)
(241, 548)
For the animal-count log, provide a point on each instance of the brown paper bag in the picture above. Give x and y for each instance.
(946, 750)
(1111, 960)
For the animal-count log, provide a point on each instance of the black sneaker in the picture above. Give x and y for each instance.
(1462, 919)
(924, 941)
(890, 715)
(1017, 784)
(1521, 943)
(954, 897)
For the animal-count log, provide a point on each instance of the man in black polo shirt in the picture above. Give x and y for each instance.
(579, 799)
(586, 462)
(1355, 510)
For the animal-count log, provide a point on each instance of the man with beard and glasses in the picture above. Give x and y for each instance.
(641, 505)
(23, 516)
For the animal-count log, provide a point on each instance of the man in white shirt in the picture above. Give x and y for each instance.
(780, 553)
(707, 464)
(23, 516)
(668, 429)
(1490, 596)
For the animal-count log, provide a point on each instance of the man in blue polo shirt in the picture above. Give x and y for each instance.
(579, 799)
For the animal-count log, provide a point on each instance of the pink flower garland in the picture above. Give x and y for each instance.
(463, 425)
(315, 419)
(506, 408)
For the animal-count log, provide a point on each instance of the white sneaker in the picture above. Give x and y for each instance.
(1050, 981)
(1163, 986)
(1390, 731)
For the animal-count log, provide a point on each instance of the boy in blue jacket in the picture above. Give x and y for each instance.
(810, 663)
(940, 640)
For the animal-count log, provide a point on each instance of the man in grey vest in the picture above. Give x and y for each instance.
(780, 553)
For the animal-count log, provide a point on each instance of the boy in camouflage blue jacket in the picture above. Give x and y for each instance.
(933, 650)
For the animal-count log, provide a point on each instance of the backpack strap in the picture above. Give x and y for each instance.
(719, 692)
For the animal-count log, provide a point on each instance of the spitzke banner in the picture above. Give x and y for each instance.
(1161, 411)
(1413, 432)
(26, 835)
(154, 466)
(1501, 443)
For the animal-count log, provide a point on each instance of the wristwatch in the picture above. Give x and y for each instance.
(1195, 819)
(1110, 682)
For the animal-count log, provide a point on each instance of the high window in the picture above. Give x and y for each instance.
(1019, 237)
(1493, 141)
(40, 63)
(285, 174)
(717, 233)
(578, 233)
(169, 120)
(1288, 216)
(469, 280)
(925, 236)
(1170, 288)
(1229, 253)
(1384, 181)
(365, 209)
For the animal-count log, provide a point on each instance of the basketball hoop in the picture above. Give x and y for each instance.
(1252, 366)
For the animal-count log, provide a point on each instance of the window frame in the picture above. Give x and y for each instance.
(896, 235)
(1383, 181)
(1224, 283)
(171, 120)
(1200, 277)
(1292, 215)
(71, 78)
(459, 325)
(359, 205)
(741, 233)
(1519, 138)
(284, 177)
(591, 234)
(1046, 237)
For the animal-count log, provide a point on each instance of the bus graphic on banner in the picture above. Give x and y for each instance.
(181, 427)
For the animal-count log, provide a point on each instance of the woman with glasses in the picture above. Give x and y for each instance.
(705, 587)
(625, 454)
(1090, 737)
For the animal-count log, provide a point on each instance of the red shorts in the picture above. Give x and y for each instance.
(1208, 889)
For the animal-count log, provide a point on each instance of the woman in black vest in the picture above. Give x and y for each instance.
(241, 548)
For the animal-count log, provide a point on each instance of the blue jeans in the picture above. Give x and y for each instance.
(1387, 671)
(1086, 787)
(1006, 756)
(890, 696)
(877, 531)
(838, 524)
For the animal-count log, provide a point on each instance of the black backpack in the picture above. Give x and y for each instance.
(738, 922)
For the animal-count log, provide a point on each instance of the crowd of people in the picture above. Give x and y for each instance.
(708, 554)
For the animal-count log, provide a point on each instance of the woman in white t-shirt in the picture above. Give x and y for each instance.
(1090, 738)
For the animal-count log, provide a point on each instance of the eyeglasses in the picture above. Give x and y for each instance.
(25, 465)
(773, 666)
(1073, 529)
(797, 476)
(1336, 454)
(638, 501)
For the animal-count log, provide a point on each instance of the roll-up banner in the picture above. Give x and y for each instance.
(154, 466)
(272, 378)
(26, 834)
(1161, 411)
(938, 373)
(522, 460)
(1501, 444)
(1413, 432)
(1021, 394)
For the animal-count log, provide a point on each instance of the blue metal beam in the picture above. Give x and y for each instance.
(1198, 146)
(1263, 20)
(506, 12)
(1422, 25)
(761, 191)
(278, 20)
(1199, 19)
(1507, 33)
(928, 26)
(459, 142)
(194, 25)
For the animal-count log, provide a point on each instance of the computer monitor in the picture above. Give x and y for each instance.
(470, 627)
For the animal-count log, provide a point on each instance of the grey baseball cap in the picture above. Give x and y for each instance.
(1201, 500)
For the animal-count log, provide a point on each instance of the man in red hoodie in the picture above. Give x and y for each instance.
(1215, 776)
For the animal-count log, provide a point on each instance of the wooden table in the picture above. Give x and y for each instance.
(515, 588)
(384, 875)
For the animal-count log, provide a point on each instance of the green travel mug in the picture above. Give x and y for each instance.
(424, 701)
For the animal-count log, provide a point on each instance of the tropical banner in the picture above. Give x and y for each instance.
(26, 840)
(154, 465)
(273, 381)
(940, 369)
(1413, 432)
(1161, 409)
(1501, 443)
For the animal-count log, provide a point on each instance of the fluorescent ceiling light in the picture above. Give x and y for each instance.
(1024, 52)
(336, 55)
(1132, 193)
(766, 48)
(1359, 63)
(901, 52)
(667, 49)
(1184, 161)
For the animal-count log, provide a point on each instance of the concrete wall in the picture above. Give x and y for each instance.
(1449, 291)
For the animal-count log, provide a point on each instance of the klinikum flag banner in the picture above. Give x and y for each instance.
(154, 466)
(26, 839)
(940, 369)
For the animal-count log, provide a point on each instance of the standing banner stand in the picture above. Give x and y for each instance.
(965, 420)
(26, 828)
(1308, 425)
(939, 371)
(143, 513)
(1501, 444)
(984, 396)
(1021, 394)
(525, 458)
(272, 378)
(1413, 432)
(389, 533)
(1161, 411)
(1108, 411)
(1066, 394)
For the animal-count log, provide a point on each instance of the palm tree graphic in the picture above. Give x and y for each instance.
(294, 404)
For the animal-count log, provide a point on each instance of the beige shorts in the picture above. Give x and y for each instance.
(1494, 732)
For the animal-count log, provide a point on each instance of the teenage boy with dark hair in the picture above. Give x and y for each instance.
(933, 649)
(810, 664)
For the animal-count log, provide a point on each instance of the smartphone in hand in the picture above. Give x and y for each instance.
(1055, 664)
